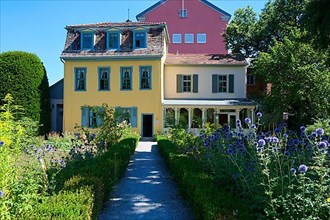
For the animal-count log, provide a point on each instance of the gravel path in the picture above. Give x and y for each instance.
(147, 190)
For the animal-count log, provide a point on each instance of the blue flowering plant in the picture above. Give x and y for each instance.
(281, 173)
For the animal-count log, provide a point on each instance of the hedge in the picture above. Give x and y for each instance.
(208, 200)
(23, 75)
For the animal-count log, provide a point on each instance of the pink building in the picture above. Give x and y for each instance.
(195, 26)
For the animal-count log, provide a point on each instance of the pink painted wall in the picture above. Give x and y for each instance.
(201, 19)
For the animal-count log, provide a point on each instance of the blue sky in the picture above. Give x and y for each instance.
(38, 26)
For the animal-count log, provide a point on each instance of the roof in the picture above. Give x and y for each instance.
(143, 13)
(223, 102)
(156, 37)
(202, 59)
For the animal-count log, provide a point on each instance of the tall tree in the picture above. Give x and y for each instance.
(23, 75)
(300, 81)
(239, 35)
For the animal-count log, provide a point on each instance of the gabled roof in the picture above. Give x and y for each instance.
(205, 59)
(156, 37)
(143, 13)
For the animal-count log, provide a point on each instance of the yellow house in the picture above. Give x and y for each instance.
(120, 64)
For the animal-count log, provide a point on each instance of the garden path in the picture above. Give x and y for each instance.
(147, 190)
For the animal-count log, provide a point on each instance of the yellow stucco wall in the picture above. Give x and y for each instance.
(147, 101)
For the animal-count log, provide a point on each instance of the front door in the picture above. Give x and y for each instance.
(147, 123)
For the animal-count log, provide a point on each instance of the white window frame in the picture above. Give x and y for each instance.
(178, 41)
(199, 36)
(187, 40)
(190, 80)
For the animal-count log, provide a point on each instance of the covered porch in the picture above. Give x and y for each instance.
(194, 114)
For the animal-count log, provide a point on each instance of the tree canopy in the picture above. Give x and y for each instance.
(23, 75)
(290, 44)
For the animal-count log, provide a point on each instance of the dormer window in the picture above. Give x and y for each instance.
(113, 40)
(87, 40)
(140, 39)
(183, 13)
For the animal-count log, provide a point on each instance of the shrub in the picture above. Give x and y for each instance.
(208, 200)
(23, 75)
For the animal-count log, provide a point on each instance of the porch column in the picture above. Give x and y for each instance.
(252, 115)
(189, 117)
(176, 115)
(203, 116)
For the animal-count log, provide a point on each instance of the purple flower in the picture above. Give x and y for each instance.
(277, 130)
(314, 134)
(285, 135)
(253, 126)
(322, 144)
(275, 140)
(261, 142)
(259, 149)
(229, 151)
(247, 120)
(319, 131)
(259, 114)
(255, 144)
(2, 143)
(303, 168)
(302, 128)
(287, 153)
(275, 149)
(293, 170)
(1, 193)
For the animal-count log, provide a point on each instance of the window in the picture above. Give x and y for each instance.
(251, 79)
(80, 79)
(87, 40)
(201, 38)
(91, 117)
(140, 39)
(126, 78)
(145, 77)
(127, 114)
(176, 38)
(183, 13)
(223, 83)
(187, 83)
(189, 38)
(113, 40)
(104, 79)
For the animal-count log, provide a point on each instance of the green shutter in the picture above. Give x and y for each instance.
(84, 116)
(178, 83)
(214, 83)
(134, 116)
(231, 83)
(195, 83)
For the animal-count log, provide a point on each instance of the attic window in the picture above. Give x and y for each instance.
(113, 40)
(87, 40)
(183, 13)
(140, 39)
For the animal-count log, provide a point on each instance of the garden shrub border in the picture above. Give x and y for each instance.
(206, 199)
(83, 188)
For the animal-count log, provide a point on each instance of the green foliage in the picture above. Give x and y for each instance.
(300, 81)
(23, 75)
(208, 200)
(316, 20)
(239, 35)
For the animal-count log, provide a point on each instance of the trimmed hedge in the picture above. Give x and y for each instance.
(23, 75)
(207, 199)
(85, 185)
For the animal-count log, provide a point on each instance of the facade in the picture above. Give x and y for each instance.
(120, 64)
(207, 88)
(56, 102)
(195, 26)
(127, 65)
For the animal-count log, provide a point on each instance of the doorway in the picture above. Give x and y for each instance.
(147, 125)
